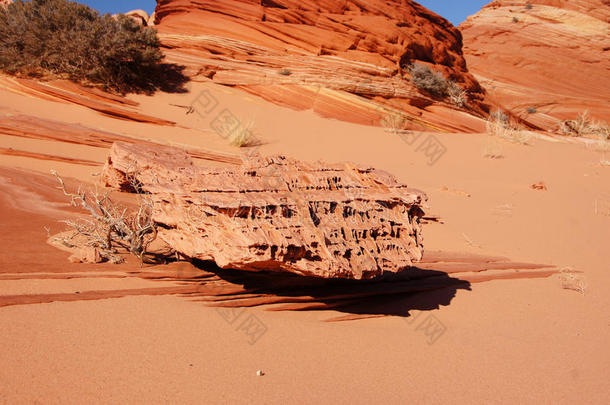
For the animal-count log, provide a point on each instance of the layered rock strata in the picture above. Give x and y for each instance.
(344, 59)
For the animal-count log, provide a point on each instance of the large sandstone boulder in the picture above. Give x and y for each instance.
(278, 214)
(343, 59)
(544, 60)
(4, 3)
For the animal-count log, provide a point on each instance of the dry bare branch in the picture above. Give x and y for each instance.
(111, 226)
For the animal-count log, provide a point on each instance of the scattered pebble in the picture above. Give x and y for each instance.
(260, 373)
(539, 186)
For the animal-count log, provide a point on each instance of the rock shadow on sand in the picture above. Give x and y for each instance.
(432, 284)
(396, 295)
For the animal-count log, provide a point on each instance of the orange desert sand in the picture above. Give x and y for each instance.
(509, 303)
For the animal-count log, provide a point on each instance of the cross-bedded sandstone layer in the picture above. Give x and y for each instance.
(344, 59)
(544, 60)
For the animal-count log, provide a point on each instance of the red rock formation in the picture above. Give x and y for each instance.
(141, 17)
(550, 55)
(342, 58)
(86, 255)
(4, 3)
(277, 214)
(151, 20)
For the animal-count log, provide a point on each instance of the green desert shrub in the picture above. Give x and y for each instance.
(61, 38)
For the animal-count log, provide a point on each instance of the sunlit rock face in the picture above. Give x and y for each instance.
(551, 56)
(344, 59)
(141, 17)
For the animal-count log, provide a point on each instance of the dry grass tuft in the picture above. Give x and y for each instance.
(244, 136)
(586, 127)
(571, 280)
(457, 95)
(394, 122)
(498, 125)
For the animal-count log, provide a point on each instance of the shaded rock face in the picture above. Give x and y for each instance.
(334, 56)
(278, 214)
(552, 55)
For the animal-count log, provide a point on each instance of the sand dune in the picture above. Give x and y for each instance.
(492, 314)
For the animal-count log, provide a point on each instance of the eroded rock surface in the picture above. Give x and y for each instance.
(278, 214)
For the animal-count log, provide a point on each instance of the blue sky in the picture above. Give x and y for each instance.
(120, 6)
(455, 11)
